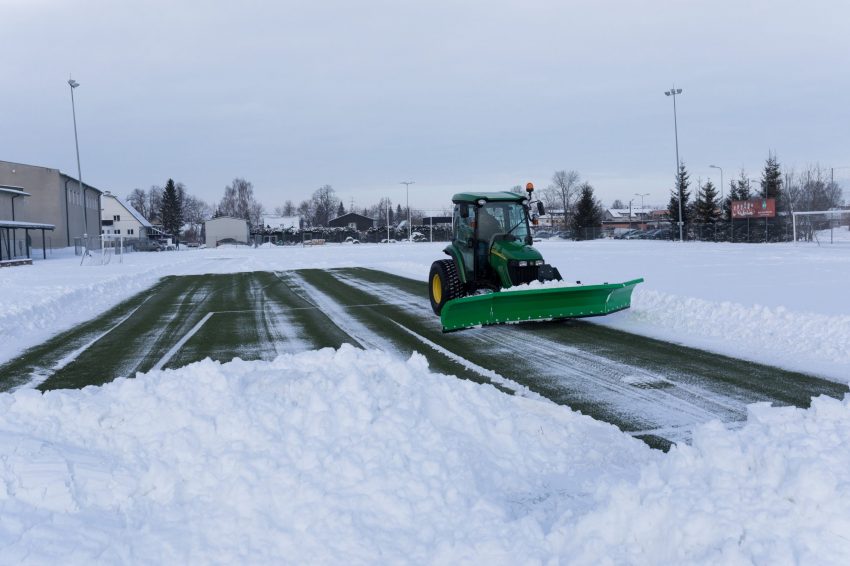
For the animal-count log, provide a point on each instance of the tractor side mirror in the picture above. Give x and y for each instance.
(540, 210)
(464, 210)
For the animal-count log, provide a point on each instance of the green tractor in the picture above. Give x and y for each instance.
(493, 261)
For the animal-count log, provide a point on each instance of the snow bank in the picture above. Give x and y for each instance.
(774, 492)
(320, 457)
(356, 457)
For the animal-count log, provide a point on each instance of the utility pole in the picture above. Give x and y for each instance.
(407, 195)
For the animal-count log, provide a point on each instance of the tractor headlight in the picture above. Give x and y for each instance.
(522, 263)
(539, 262)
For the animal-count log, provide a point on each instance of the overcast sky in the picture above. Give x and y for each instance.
(452, 95)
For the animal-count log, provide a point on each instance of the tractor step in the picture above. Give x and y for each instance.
(537, 304)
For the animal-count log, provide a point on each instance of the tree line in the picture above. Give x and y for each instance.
(810, 190)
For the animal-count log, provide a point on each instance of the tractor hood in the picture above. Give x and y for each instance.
(515, 262)
(509, 250)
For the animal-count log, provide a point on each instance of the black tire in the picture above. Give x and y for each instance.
(443, 284)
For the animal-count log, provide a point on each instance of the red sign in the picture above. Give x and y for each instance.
(754, 208)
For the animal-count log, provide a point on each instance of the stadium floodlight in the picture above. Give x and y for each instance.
(74, 84)
(673, 92)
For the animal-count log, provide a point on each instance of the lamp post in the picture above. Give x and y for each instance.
(673, 92)
(722, 197)
(74, 84)
(407, 196)
(630, 213)
(642, 209)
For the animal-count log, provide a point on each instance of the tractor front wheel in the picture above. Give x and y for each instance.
(443, 284)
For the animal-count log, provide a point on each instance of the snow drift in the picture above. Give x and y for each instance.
(358, 457)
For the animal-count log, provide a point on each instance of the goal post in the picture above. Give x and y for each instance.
(807, 224)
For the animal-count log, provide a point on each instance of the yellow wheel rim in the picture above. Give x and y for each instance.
(437, 289)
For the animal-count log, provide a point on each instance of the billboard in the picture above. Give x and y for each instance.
(754, 208)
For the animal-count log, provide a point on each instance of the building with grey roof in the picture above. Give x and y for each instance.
(51, 198)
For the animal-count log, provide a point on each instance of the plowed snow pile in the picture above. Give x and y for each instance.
(356, 457)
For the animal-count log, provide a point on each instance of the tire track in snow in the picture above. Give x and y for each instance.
(658, 399)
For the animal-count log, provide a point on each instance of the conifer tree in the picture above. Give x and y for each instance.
(771, 179)
(172, 210)
(705, 208)
(682, 184)
(739, 189)
(341, 210)
(588, 213)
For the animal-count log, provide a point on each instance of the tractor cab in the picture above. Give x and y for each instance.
(491, 239)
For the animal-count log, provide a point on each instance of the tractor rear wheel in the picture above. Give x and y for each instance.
(443, 284)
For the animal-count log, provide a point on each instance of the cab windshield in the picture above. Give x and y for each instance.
(510, 216)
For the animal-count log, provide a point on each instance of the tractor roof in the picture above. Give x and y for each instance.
(503, 196)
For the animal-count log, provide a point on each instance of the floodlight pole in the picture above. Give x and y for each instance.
(407, 195)
(74, 84)
(673, 92)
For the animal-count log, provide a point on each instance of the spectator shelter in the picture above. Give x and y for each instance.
(12, 249)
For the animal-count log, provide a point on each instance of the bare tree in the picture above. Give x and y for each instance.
(559, 194)
(239, 202)
(154, 204)
(139, 200)
(324, 205)
(288, 209)
(305, 211)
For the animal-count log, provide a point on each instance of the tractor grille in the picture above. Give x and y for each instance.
(521, 275)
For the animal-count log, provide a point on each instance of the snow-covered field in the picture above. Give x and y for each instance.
(360, 457)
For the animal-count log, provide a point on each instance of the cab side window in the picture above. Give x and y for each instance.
(463, 226)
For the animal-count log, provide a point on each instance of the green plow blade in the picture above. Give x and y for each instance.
(537, 304)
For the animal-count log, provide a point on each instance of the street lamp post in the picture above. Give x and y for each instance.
(407, 196)
(722, 197)
(642, 209)
(673, 92)
(630, 213)
(74, 84)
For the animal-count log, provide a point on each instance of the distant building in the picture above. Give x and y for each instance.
(52, 198)
(226, 230)
(279, 223)
(353, 220)
(118, 217)
(627, 218)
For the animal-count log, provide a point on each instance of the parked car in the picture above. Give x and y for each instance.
(626, 235)
(149, 246)
(351, 240)
(662, 234)
(390, 241)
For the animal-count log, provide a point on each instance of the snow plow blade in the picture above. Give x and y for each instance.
(537, 304)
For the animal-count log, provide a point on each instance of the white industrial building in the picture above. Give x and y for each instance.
(226, 230)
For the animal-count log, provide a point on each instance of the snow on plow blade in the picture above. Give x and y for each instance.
(537, 304)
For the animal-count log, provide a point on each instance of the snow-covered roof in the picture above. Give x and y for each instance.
(624, 212)
(283, 222)
(133, 212)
